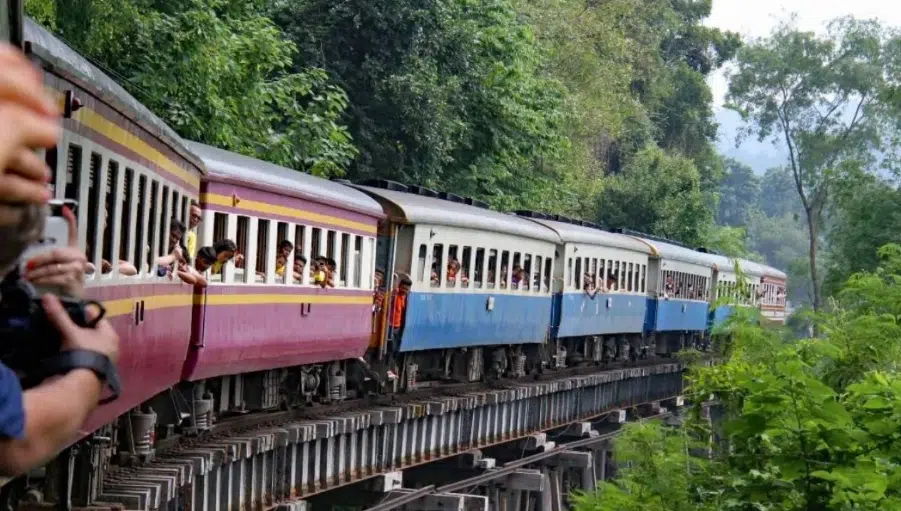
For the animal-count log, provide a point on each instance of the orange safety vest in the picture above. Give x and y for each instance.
(397, 315)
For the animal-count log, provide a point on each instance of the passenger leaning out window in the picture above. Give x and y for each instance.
(215, 257)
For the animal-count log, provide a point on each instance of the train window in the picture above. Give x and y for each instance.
(263, 250)
(569, 272)
(437, 264)
(505, 270)
(491, 270)
(330, 244)
(517, 270)
(316, 239)
(478, 271)
(300, 235)
(644, 276)
(164, 219)
(73, 172)
(526, 273)
(241, 236)
(184, 212)
(345, 259)
(141, 225)
(465, 265)
(152, 226)
(636, 276)
(628, 267)
(578, 273)
(536, 277)
(125, 224)
(109, 211)
(422, 262)
(176, 213)
(358, 262)
(284, 252)
(453, 266)
(547, 274)
(50, 158)
(220, 225)
(90, 206)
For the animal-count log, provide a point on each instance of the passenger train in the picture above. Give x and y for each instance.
(528, 292)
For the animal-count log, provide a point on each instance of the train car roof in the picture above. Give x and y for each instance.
(571, 233)
(673, 252)
(225, 165)
(72, 66)
(760, 270)
(417, 209)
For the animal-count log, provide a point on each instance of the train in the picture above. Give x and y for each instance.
(491, 294)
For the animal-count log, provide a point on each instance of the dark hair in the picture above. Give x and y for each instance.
(175, 225)
(207, 254)
(380, 270)
(194, 203)
(300, 257)
(406, 281)
(285, 243)
(225, 246)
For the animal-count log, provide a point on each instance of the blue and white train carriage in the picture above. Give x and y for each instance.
(679, 294)
(467, 293)
(600, 285)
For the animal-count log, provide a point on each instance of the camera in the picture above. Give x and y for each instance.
(27, 337)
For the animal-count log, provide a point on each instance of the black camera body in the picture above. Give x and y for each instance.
(27, 337)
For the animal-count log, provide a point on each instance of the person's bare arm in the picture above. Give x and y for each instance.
(53, 412)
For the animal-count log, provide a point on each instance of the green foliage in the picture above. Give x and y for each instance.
(659, 193)
(820, 97)
(444, 93)
(811, 424)
(739, 192)
(218, 71)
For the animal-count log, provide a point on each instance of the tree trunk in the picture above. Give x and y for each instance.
(814, 242)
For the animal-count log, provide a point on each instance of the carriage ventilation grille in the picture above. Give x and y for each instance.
(394, 186)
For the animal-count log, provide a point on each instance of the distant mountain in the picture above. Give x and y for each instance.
(757, 155)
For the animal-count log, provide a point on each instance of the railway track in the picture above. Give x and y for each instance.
(256, 463)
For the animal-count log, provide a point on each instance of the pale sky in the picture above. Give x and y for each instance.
(756, 18)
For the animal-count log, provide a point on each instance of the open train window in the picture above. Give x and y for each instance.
(644, 276)
(465, 264)
(525, 283)
(185, 212)
(491, 270)
(263, 247)
(422, 262)
(50, 158)
(91, 205)
(579, 277)
(330, 242)
(517, 267)
(163, 248)
(505, 269)
(547, 274)
(152, 227)
(125, 222)
(220, 227)
(73, 172)
(109, 211)
(316, 240)
(478, 270)
(299, 249)
(437, 268)
(345, 261)
(282, 255)
(141, 225)
(358, 262)
(241, 241)
(453, 266)
(569, 272)
(536, 277)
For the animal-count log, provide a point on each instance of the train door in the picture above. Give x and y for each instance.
(557, 287)
(385, 247)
